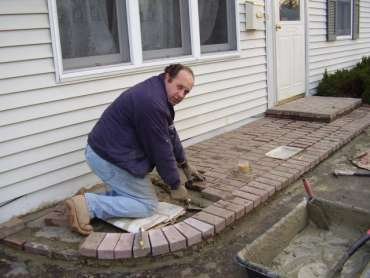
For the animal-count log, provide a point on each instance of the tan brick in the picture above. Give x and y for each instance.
(228, 215)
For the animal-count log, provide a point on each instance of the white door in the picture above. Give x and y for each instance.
(290, 48)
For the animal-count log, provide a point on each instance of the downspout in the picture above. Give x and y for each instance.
(307, 46)
(270, 53)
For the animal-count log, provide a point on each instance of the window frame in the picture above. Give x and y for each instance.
(345, 37)
(137, 62)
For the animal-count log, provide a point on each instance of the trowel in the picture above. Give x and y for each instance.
(350, 173)
(190, 206)
(315, 212)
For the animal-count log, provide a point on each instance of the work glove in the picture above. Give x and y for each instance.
(191, 173)
(180, 194)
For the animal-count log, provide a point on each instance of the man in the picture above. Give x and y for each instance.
(135, 134)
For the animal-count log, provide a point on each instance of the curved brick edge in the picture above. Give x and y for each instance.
(228, 207)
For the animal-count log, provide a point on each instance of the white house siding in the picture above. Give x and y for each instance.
(337, 54)
(44, 125)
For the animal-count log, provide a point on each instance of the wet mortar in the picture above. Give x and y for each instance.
(215, 258)
(313, 251)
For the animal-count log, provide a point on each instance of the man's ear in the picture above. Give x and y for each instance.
(168, 78)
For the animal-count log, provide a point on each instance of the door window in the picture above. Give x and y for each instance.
(289, 10)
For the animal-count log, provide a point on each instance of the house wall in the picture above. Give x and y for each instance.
(337, 54)
(44, 125)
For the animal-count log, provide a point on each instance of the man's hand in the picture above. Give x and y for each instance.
(191, 173)
(180, 194)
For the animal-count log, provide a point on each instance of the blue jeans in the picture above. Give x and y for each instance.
(126, 196)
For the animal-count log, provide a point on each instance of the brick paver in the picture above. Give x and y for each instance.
(228, 215)
(239, 210)
(123, 248)
(176, 240)
(158, 242)
(106, 247)
(218, 222)
(192, 235)
(206, 229)
(90, 245)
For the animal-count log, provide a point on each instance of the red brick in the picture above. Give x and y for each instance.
(214, 174)
(206, 229)
(248, 196)
(236, 183)
(124, 245)
(248, 205)
(239, 210)
(228, 215)
(138, 249)
(90, 245)
(11, 227)
(218, 222)
(14, 242)
(106, 247)
(176, 240)
(221, 185)
(292, 165)
(269, 188)
(214, 194)
(293, 171)
(56, 219)
(37, 248)
(256, 191)
(282, 174)
(278, 185)
(274, 177)
(193, 236)
(158, 242)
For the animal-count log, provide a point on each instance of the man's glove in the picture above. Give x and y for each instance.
(191, 173)
(180, 194)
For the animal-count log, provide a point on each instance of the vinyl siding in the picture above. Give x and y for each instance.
(338, 54)
(44, 124)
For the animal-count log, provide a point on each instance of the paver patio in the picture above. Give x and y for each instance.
(234, 193)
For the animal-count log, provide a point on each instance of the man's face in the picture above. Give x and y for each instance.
(178, 87)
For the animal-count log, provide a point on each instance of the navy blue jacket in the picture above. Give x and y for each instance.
(136, 132)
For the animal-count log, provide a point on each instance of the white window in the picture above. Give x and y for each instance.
(344, 17)
(92, 33)
(217, 25)
(92, 36)
(165, 30)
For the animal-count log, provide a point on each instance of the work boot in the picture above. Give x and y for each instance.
(79, 217)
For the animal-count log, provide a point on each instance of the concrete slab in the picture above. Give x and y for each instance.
(315, 108)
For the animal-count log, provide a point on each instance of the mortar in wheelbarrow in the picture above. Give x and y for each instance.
(295, 247)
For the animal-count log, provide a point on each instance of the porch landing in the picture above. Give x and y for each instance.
(315, 108)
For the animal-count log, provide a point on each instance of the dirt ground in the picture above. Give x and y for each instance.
(215, 258)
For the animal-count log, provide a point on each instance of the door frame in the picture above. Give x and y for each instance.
(272, 94)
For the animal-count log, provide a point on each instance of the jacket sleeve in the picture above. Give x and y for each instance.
(178, 150)
(153, 133)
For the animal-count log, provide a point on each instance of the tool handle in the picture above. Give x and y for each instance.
(361, 241)
(308, 188)
(362, 174)
(339, 265)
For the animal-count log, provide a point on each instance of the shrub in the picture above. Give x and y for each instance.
(348, 83)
